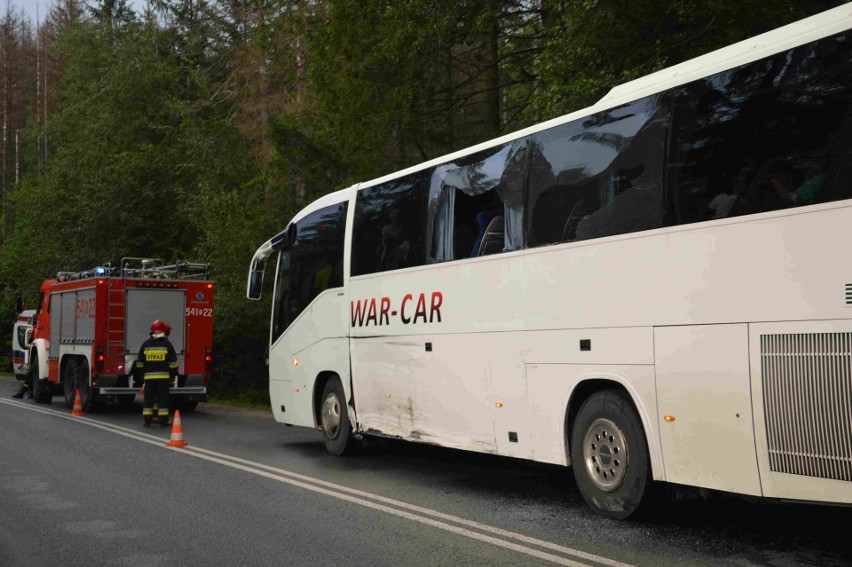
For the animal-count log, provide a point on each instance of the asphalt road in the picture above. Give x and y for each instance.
(102, 490)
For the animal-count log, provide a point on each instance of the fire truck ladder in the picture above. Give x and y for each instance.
(115, 319)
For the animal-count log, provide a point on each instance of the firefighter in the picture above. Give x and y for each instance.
(158, 365)
(23, 389)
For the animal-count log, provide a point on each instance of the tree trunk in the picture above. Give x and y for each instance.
(492, 72)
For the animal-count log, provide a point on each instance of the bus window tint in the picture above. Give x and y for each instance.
(475, 204)
(312, 264)
(600, 175)
(388, 228)
(768, 135)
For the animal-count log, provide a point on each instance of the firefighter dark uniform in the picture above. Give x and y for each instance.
(23, 389)
(158, 364)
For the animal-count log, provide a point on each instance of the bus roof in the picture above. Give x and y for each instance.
(780, 39)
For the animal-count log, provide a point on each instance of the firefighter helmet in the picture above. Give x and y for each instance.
(160, 329)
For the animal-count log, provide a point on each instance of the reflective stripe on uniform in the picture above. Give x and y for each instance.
(156, 376)
(163, 412)
(173, 365)
(147, 411)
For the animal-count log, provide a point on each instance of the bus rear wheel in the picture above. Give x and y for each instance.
(334, 418)
(609, 455)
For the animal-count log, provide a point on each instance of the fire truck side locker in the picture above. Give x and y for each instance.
(145, 306)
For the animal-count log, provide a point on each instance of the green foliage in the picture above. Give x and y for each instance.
(140, 158)
(591, 46)
(241, 327)
(200, 129)
(394, 84)
(121, 168)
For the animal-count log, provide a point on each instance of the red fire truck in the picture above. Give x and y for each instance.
(89, 325)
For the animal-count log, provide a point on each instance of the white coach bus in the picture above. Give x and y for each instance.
(650, 289)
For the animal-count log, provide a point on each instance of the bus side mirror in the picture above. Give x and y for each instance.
(28, 338)
(284, 239)
(255, 283)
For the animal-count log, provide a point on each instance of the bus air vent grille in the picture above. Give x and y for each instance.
(849, 294)
(807, 399)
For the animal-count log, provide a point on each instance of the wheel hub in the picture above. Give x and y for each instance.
(330, 416)
(605, 454)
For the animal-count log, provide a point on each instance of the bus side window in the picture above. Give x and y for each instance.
(475, 204)
(838, 182)
(599, 175)
(771, 134)
(388, 227)
(308, 266)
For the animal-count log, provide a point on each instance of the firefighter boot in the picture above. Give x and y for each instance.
(21, 389)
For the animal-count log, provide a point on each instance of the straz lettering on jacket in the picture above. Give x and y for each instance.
(155, 355)
(411, 310)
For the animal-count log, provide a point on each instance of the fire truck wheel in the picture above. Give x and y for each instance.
(69, 387)
(334, 418)
(41, 388)
(609, 455)
(88, 397)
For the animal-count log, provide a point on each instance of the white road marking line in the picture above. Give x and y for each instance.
(89, 422)
(426, 511)
(352, 495)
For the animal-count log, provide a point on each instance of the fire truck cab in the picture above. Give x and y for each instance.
(88, 327)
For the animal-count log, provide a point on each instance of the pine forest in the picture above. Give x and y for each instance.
(195, 129)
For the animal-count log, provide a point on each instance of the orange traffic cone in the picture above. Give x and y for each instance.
(78, 406)
(177, 433)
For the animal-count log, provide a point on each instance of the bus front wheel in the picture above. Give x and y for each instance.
(334, 418)
(609, 455)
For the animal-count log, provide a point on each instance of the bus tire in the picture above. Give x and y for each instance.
(69, 387)
(42, 389)
(609, 455)
(334, 419)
